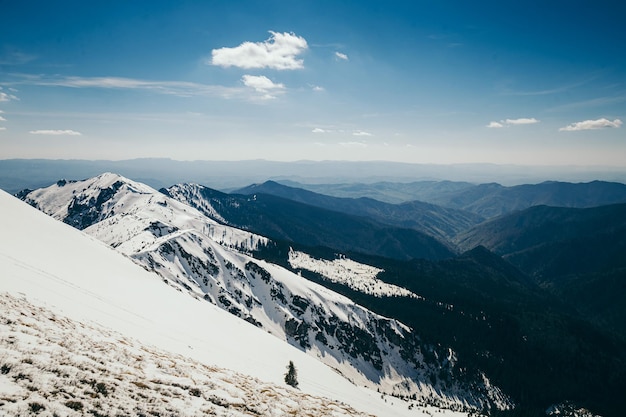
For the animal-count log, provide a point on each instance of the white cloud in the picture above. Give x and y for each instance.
(2, 119)
(521, 121)
(3, 128)
(317, 88)
(278, 52)
(56, 132)
(592, 124)
(262, 84)
(318, 130)
(7, 97)
(341, 56)
(513, 122)
(361, 133)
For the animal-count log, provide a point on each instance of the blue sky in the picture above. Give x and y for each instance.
(414, 81)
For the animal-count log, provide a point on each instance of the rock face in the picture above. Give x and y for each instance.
(212, 261)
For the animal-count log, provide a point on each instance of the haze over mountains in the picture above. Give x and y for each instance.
(530, 296)
(17, 174)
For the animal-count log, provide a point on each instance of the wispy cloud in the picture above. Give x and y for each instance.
(361, 133)
(513, 122)
(278, 52)
(56, 132)
(594, 102)
(3, 128)
(262, 84)
(177, 88)
(318, 130)
(317, 88)
(2, 119)
(342, 56)
(548, 91)
(592, 125)
(16, 58)
(353, 144)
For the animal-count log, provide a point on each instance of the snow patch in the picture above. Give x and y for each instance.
(355, 275)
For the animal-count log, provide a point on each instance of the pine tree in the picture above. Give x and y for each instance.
(291, 377)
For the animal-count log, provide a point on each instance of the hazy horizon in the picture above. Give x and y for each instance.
(18, 174)
(405, 81)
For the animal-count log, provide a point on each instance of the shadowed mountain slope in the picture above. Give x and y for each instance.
(440, 222)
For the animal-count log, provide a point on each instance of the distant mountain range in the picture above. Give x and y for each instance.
(17, 174)
(440, 222)
(486, 200)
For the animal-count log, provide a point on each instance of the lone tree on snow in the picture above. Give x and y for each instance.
(291, 377)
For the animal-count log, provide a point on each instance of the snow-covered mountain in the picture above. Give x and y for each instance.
(211, 261)
(86, 331)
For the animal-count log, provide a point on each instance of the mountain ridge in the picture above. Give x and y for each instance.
(440, 222)
(281, 218)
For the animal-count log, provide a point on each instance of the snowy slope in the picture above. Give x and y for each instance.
(52, 365)
(194, 253)
(79, 298)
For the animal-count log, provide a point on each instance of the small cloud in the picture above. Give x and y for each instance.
(2, 119)
(521, 121)
(513, 122)
(7, 97)
(318, 130)
(361, 133)
(318, 88)
(55, 132)
(353, 144)
(278, 52)
(591, 125)
(262, 84)
(341, 56)
(3, 128)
